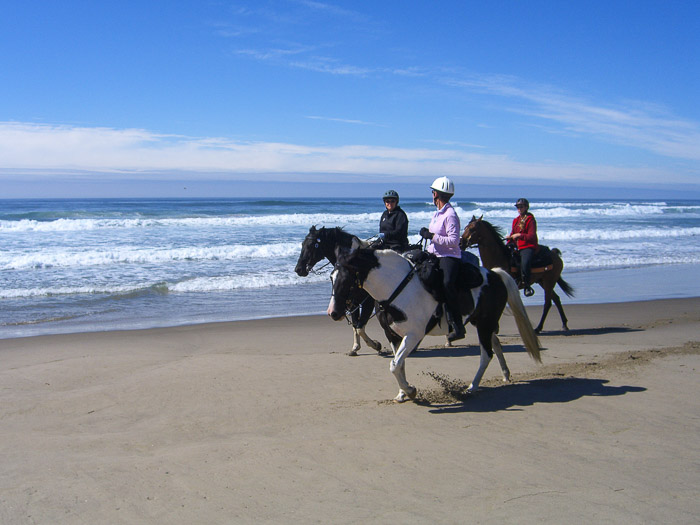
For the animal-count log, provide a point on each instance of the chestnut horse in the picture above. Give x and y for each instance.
(494, 253)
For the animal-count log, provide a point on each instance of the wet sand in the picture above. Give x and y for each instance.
(270, 422)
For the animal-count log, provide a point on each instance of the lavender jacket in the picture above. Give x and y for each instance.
(445, 226)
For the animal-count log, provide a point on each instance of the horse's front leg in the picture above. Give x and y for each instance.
(374, 345)
(356, 342)
(398, 368)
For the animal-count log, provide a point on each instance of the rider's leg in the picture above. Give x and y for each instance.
(450, 271)
(525, 268)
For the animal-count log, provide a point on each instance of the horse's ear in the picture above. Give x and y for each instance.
(355, 245)
(344, 258)
(473, 218)
(482, 216)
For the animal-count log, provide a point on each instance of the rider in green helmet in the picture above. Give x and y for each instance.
(393, 225)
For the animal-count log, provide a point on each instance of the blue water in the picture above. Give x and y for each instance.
(99, 264)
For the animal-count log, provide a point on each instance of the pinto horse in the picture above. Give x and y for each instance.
(495, 253)
(321, 244)
(413, 312)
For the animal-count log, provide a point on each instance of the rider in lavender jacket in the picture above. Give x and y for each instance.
(444, 232)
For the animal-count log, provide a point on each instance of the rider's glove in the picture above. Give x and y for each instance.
(426, 233)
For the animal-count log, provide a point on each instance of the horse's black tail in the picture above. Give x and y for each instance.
(568, 289)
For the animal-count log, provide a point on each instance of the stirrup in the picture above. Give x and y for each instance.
(528, 291)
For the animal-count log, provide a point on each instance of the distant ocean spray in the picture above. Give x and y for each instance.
(98, 264)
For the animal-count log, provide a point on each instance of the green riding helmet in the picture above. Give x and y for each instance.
(391, 194)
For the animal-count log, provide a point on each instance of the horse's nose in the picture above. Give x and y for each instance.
(332, 313)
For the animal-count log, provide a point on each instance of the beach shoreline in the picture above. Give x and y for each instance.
(269, 421)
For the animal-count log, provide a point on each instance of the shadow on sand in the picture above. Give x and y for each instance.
(527, 393)
(591, 331)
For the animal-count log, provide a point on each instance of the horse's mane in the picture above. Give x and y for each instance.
(341, 237)
(498, 233)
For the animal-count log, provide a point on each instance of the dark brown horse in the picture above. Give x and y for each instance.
(495, 253)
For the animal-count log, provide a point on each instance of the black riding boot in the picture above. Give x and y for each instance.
(456, 327)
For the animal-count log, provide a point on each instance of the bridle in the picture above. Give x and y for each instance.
(350, 306)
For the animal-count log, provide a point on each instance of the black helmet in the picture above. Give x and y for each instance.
(391, 194)
(522, 202)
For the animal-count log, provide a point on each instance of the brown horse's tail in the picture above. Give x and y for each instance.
(566, 287)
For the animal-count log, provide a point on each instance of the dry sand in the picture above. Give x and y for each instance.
(270, 422)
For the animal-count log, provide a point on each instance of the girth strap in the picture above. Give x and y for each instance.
(383, 305)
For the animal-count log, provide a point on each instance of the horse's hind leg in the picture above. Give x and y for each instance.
(498, 350)
(564, 320)
(485, 338)
(547, 305)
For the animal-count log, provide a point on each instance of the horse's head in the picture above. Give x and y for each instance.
(311, 252)
(472, 233)
(347, 278)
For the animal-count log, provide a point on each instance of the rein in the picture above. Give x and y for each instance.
(383, 305)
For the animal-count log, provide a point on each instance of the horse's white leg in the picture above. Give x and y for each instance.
(375, 345)
(483, 364)
(498, 350)
(398, 368)
(448, 343)
(356, 342)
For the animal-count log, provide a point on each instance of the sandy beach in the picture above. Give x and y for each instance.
(270, 422)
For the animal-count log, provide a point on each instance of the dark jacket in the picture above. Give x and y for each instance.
(394, 226)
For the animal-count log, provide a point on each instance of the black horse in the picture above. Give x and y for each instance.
(322, 244)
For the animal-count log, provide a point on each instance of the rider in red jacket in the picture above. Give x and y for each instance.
(524, 233)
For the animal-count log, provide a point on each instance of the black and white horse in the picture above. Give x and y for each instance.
(411, 311)
(322, 244)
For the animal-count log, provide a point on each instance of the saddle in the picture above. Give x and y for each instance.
(541, 262)
(430, 275)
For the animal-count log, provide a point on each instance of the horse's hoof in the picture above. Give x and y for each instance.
(376, 345)
(448, 343)
(506, 378)
(352, 353)
(538, 330)
(405, 396)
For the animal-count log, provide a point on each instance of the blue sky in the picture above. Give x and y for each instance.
(134, 98)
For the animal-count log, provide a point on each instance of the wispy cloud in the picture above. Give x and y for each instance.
(51, 150)
(637, 124)
(346, 121)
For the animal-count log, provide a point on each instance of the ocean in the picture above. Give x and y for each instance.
(103, 264)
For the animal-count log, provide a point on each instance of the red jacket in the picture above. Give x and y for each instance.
(528, 227)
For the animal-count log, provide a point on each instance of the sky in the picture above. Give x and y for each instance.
(322, 98)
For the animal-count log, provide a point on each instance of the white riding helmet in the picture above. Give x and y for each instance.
(444, 185)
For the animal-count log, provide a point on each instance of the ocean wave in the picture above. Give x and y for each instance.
(131, 255)
(628, 261)
(616, 235)
(489, 210)
(228, 283)
(293, 219)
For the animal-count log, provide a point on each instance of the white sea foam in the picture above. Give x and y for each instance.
(63, 257)
(616, 235)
